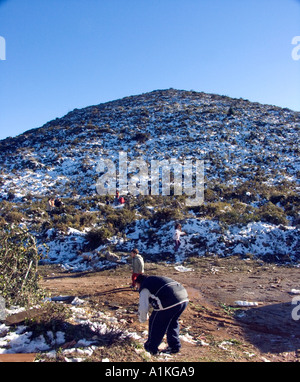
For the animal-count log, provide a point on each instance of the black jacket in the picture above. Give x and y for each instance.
(164, 292)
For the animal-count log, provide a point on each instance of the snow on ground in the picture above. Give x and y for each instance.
(203, 237)
(18, 340)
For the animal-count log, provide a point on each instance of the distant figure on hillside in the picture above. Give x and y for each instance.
(119, 199)
(178, 233)
(59, 204)
(137, 266)
(50, 206)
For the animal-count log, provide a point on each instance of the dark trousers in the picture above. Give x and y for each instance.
(161, 322)
(177, 244)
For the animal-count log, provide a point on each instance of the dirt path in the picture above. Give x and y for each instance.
(219, 330)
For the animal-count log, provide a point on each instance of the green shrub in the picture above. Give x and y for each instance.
(2, 222)
(52, 317)
(272, 214)
(210, 195)
(13, 217)
(18, 261)
(121, 219)
(97, 237)
(165, 214)
(87, 219)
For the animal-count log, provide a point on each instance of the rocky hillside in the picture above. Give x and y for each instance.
(237, 139)
(251, 156)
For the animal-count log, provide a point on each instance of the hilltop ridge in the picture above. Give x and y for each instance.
(237, 139)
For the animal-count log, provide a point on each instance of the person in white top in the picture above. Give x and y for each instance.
(178, 233)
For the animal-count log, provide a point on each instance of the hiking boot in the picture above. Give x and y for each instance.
(150, 351)
(170, 350)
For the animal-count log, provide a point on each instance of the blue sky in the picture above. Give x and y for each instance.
(66, 54)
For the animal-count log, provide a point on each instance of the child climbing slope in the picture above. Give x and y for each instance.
(178, 233)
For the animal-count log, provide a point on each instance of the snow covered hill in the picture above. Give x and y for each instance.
(236, 138)
(251, 167)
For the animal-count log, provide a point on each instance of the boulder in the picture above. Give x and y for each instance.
(112, 257)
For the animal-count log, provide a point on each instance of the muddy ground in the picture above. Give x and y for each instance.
(220, 330)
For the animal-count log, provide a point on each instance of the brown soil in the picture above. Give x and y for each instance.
(222, 331)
